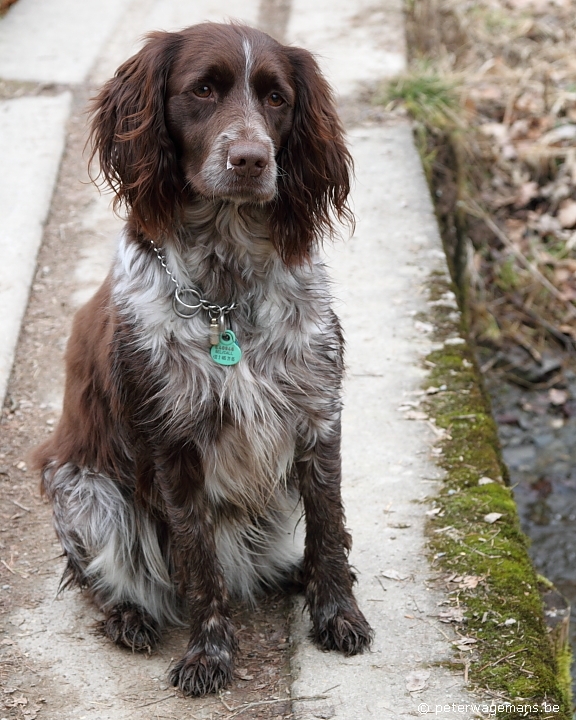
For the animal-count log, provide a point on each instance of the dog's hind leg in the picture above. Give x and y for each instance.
(113, 550)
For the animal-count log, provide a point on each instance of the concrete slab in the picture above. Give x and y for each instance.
(31, 144)
(142, 16)
(95, 230)
(56, 41)
(95, 680)
(380, 276)
(356, 42)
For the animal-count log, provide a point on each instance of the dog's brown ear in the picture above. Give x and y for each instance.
(314, 166)
(129, 136)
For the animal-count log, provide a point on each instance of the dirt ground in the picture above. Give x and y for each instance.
(48, 641)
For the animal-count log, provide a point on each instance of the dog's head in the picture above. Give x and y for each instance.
(224, 112)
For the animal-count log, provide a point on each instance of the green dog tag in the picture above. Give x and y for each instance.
(227, 352)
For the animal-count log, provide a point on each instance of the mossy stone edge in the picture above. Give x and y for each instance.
(512, 658)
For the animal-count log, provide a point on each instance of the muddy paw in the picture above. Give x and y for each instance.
(200, 673)
(346, 631)
(132, 627)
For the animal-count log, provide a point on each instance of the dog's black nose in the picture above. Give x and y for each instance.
(248, 159)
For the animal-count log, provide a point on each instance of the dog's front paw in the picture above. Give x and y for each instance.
(130, 626)
(200, 672)
(345, 630)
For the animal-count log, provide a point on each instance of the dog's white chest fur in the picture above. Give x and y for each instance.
(253, 413)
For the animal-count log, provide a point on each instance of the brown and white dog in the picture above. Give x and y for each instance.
(176, 480)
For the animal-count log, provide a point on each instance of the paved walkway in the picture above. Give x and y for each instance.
(50, 53)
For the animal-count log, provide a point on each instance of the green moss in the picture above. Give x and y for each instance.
(513, 657)
(564, 660)
(507, 278)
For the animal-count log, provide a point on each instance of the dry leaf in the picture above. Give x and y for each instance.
(465, 641)
(568, 330)
(559, 134)
(415, 415)
(417, 680)
(423, 327)
(243, 674)
(557, 397)
(545, 224)
(561, 275)
(526, 193)
(469, 582)
(452, 614)
(492, 517)
(567, 214)
(498, 131)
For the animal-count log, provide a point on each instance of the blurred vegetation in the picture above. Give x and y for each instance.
(492, 91)
(4, 5)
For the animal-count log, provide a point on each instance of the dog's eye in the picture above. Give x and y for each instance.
(275, 99)
(202, 91)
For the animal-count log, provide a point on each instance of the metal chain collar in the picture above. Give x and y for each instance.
(217, 313)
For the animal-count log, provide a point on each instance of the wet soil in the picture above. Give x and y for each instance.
(537, 429)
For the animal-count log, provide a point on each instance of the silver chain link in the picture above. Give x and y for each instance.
(214, 311)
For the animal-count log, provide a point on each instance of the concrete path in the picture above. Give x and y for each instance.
(50, 54)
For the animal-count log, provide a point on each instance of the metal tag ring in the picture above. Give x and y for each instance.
(178, 303)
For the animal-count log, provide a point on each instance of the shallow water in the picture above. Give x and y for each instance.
(537, 429)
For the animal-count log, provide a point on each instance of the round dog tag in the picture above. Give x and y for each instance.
(227, 352)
